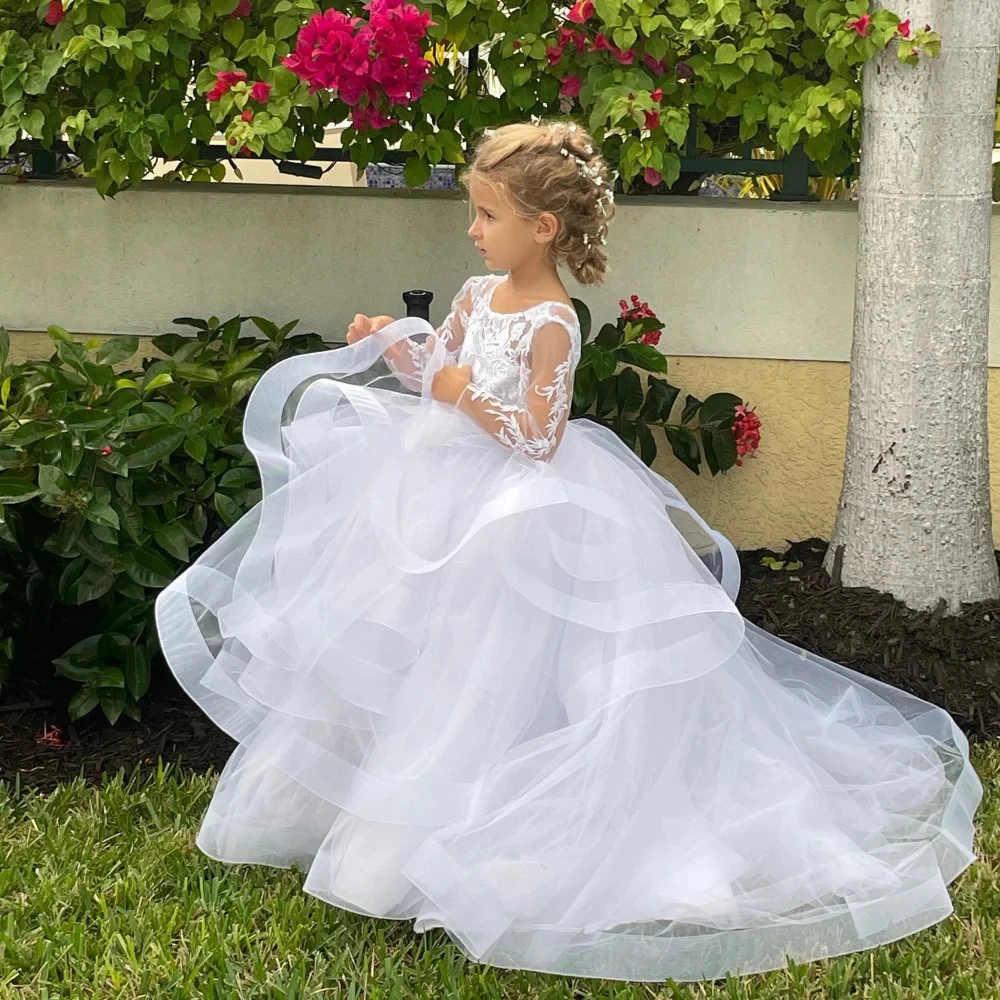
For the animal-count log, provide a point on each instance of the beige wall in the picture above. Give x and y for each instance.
(731, 278)
(757, 300)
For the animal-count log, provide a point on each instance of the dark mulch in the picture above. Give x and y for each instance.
(953, 661)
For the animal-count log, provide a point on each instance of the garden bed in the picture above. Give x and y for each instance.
(953, 661)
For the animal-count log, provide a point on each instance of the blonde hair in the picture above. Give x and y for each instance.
(553, 167)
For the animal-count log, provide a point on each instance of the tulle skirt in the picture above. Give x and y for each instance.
(515, 700)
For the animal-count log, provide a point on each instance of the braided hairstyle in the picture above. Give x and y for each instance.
(553, 167)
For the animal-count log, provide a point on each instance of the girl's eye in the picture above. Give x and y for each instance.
(489, 215)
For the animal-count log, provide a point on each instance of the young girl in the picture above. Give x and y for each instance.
(486, 672)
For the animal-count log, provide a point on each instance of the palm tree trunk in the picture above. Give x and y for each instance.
(914, 516)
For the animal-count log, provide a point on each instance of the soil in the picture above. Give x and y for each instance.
(950, 660)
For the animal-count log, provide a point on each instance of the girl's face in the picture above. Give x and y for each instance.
(506, 240)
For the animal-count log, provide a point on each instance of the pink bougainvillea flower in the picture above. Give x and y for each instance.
(260, 92)
(568, 35)
(601, 43)
(247, 115)
(242, 9)
(570, 86)
(905, 28)
(246, 151)
(224, 82)
(652, 120)
(54, 14)
(553, 54)
(657, 95)
(652, 177)
(657, 66)
(862, 25)
(625, 56)
(582, 11)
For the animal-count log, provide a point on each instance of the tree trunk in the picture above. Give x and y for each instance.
(914, 514)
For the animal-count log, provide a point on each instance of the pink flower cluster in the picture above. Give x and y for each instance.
(746, 432)
(636, 310)
(371, 65)
(54, 14)
(581, 12)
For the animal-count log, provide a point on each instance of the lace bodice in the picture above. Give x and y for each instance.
(522, 364)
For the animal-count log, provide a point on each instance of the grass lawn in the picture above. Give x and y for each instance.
(103, 894)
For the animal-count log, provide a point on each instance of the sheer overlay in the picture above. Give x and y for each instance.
(486, 673)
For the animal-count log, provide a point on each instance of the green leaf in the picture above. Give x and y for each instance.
(102, 513)
(4, 347)
(685, 446)
(112, 701)
(628, 392)
(148, 568)
(137, 672)
(416, 172)
(718, 410)
(720, 449)
(233, 31)
(660, 399)
(610, 336)
(691, 407)
(585, 320)
(172, 540)
(725, 54)
(196, 447)
(51, 481)
(227, 508)
(604, 364)
(647, 443)
(153, 447)
(646, 356)
(239, 478)
(83, 702)
(157, 10)
(16, 488)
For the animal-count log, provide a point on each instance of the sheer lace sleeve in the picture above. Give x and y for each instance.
(536, 427)
(407, 358)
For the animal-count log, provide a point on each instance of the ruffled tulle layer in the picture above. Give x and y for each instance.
(515, 700)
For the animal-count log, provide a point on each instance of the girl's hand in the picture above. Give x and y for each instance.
(364, 326)
(450, 382)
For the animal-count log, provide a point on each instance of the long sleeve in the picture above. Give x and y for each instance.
(536, 427)
(408, 358)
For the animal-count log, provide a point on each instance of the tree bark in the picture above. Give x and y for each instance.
(914, 516)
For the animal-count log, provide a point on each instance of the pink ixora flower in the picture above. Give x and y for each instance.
(862, 25)
(582, 11)
(260, 92)
(54, 14)
(746, 432)
(634, 309)
(571, 86)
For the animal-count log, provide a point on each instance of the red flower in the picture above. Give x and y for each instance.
(625, 57)
(553, 54)
(242, 9)
(246, 151)
(746, 431)
(657, 95)
(652, 177)
(658, 66)
(601, 43)
(54, 14)
(582, 11)
(652, 120)
(247, 115)
(578, 38)
(224, 82)
(904, 28)
(653, 337)
(862, 25)
(106, 450)
(260, 92)
(571, 86)
(635, 309)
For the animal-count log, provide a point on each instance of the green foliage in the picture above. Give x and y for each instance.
(126, 80)
(609, 390)
(111, 481)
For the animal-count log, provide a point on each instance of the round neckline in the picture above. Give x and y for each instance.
(522, 312)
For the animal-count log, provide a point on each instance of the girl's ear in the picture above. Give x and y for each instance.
(546, 228)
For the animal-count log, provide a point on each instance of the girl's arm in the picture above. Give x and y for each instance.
(537, 427)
